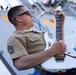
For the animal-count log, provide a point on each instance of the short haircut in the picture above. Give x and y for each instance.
(13, 12)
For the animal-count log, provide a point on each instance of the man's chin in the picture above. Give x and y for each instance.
(31, 27)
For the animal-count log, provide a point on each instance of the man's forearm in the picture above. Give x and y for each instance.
(32, 60)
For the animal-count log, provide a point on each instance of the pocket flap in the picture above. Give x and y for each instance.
(33, 39)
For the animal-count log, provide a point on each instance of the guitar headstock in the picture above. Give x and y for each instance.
(58, 9)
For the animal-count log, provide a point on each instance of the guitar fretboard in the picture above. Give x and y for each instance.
(59, 35)
(58, 27)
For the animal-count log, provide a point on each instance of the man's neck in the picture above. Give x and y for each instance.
(23, 28)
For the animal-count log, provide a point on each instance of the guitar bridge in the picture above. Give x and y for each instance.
(60, 57)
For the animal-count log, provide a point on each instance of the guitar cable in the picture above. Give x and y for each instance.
(70, 55)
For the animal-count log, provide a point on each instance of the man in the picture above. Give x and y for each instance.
(26, 46)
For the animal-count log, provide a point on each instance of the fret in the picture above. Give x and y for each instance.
(58, 22)
(58, 27)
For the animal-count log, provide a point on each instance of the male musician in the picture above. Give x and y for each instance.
(27, 46)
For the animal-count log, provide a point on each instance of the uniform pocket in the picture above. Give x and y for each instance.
(33, 39)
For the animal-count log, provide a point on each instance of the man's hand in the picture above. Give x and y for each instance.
(62, 15)
(58, 47)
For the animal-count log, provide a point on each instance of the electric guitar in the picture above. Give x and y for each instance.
(60, 62)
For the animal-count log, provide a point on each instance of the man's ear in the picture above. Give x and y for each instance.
(18, 18)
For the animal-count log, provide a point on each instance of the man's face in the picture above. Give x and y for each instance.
(26, 18)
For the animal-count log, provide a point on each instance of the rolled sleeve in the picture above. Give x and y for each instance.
(17, 47)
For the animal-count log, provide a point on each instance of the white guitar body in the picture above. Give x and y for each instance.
(52, 65)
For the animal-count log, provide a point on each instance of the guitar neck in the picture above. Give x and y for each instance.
(58, 27)
(59, 35)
